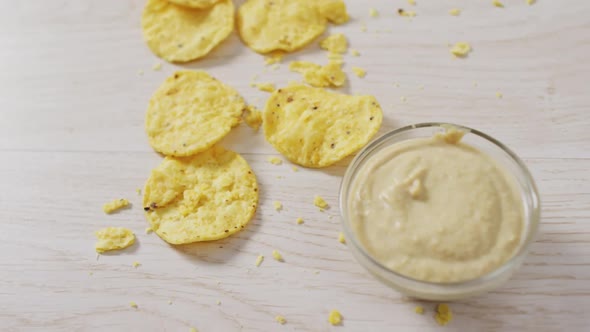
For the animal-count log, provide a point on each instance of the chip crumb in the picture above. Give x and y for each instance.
(455, 12)
(373, 12)
(90, 273)
(136, 264)
(259, 260)
(335, 318)
(275, 160)
(419, 310)
(354, 52)
(149, 230)
(403, 99)
(278, 205)
(133, 305)
(192, 329)
(498, 4)
(264, 86)
(406, 13)
(443, 315)
(169, 302)
(157, 66)
(499, 95)
(275, 66)
(363, 27)
(461, 49)
(277, 256)
(412, 2)
(280, 319)
(334, 11)
(530, 2)
(299, 221)
(335, 43)
(274, 58)
(113, 238)
(253, 117)
(295, 168)
(320, 76)
(320, 202)
(115, 205)
(360, 72)
(341, 238)
(218, 302)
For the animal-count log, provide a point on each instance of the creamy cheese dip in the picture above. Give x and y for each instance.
(436, 209)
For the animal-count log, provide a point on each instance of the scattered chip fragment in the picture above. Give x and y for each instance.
(354, 52)
(341, 238)
(499, 95)
(313, 127)
(358, 71)
(406, 13)
(180, 34)
(113, 238)
(335, 43)
(498, 4)
(419, 310)
(274, 58)
(190, 112)
(253, 117)
(205, 197)
(259, 260)
(455, 11)
(277, 205)
(275, 160)
(136, 264)
(443, 315)
(280, 319)
(299, 221)
(133, 305)
(277, 256)
(335, 318)
(320, 76)
(267, 87)
(461, 49)
(373, 12)
(320, 202)
(115, 205)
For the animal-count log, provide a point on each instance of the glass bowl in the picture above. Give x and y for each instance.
(452, 290)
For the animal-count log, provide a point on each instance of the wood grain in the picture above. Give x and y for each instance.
(71, 138)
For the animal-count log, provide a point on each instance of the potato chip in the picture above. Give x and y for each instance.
(113, 238)
(286, 25)
(180, 34)
(201, 4)
(190, 112)
(316, 128)
(205, 197)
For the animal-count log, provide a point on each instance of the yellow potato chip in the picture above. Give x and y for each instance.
(335, 43)
(190, 112)
(334, 11)
(286, 25)
(316, 128)
(180, 34)
(201, 4)
(113, 238)
(205, 197)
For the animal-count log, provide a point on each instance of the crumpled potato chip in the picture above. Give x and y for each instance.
(316, 128)
(205, 197)
(180, 34)
(190, 112)
(200, 4)
(330, 75)
(286, 25)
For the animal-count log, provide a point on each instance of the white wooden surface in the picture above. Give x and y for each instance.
(71, 138)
